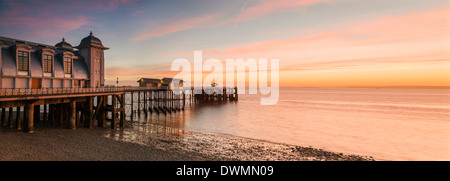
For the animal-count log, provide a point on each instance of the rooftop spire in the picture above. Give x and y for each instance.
(64, 40)
(90, 34)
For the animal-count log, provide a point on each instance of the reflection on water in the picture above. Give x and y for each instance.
(392, 124)
(153, 125)
(167, 126)
(167, 132)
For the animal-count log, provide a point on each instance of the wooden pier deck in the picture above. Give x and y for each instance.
(72, 107)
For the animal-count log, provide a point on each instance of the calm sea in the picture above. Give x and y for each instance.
(388, 124)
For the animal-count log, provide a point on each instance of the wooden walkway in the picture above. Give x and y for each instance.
(72, 107)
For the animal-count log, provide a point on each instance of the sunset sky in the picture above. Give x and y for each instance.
(320, 43)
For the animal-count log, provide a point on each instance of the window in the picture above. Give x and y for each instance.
(23, 61)
(47, 64)
(154, 84)
(76, 83)
(67, 65)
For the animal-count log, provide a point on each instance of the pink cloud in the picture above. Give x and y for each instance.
(48, 26)
(177, 26)
(81, 6)
(269, 7)
(265, 8)
(113, 4)
(46, 18)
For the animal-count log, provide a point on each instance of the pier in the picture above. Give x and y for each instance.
(89, 107)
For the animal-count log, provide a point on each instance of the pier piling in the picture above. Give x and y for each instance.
(18, 122)
(10, 117)
(72, 115)
(28, 120)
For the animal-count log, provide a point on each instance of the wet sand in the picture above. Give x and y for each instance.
(104, 144)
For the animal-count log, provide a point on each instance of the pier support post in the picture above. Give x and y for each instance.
(224, 96)
(145, 103)
(139, 104)
(122, 113)
(80, 115)
(184, 100)
(172, 106)
(77, 115)
(28, 120)
(3, 117)
(102, 112)
(66, 119)
(51, 114)
(236, 98)
(18, 122)
(132, 105)
(37, 113)
(59, 114)
(45, 119)
(150, 104)
(72, 115)
(89, 121)
(10, 117)
(113, 112)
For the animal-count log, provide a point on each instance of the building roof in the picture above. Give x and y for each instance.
(8, 63)
(9, 68)
(170, 79)
(167, 79)
(90, 41)
(149, 80)
(64, 45)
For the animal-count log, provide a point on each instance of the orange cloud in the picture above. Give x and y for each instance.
(407, 38)
(408, 49)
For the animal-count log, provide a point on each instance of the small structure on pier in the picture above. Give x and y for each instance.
(171, 83)
(150, 83)
(161, 84)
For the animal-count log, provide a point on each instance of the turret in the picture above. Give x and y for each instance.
(91, 48)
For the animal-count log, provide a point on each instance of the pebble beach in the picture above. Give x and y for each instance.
(126, 144)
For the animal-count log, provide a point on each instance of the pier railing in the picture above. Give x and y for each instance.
(56, 91)
(7, 92)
